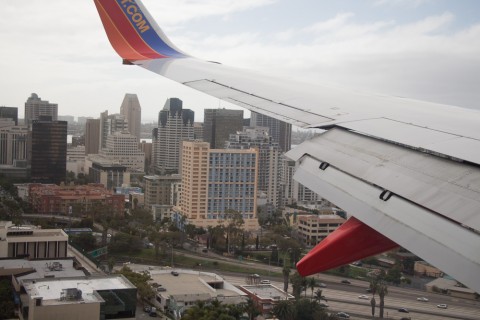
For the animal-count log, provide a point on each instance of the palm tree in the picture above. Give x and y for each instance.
(311, 283)
(378, 285)
(284, 310)
(382, 292)
(319, 296)
(251, 309)
(286, 276)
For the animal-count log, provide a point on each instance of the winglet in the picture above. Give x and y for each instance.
(132, 31)
(352, 241)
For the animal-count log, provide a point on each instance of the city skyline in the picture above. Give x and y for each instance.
(426, 47)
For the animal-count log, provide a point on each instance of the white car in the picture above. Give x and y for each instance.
(423, 299)
(442, 306)
(363, 297)
(265, 282)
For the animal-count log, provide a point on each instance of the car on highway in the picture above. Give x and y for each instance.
(342, 315)
(323, 305)
(265, 282)
(405, 318)
(442, 306)
(174, 273)
(405, 310)
(364, 297)
(322, 285)
(368, 290)
(345, 281)
(423, 299)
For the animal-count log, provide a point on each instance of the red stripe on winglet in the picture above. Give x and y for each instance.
(352, 241)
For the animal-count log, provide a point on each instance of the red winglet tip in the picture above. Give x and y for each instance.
(352, 241)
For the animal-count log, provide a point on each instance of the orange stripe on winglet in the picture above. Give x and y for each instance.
(118, 42)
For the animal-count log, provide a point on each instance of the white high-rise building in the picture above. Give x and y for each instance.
(110, 124)
(36, 107)
(175, 125)
(132, 112)
(123, 147)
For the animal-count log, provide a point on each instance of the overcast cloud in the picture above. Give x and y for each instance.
(420, 49)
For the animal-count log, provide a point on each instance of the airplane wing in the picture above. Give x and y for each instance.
(407, 170)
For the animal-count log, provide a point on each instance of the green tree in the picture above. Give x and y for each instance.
(251, 309)
(286, 276)
(311, 283)
(139, 280)
(297, 281)
(319, 296)
(378, 286)
(85, 241)
(7, 307)
(284, 310)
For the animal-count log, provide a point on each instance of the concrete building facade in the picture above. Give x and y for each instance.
(31, 242)
(279, 130)
(123, 147)
(314, 228)
(175, 125)
(158, 189)
(36, 107)
(92, 133)
(218, 124)
(132, 111)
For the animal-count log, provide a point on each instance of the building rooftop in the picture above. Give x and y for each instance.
(52, 291)
(267, 291)
(55, 268)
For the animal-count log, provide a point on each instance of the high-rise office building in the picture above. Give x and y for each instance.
(218, 124)
(36, 107)
(132, 113)
(217, 181)
(9, 113)
(49, 150)
(123, 147)
(13, 144)
(268, 162)
(175, 125)
(110, 124)
(279, 130)
(92, 132)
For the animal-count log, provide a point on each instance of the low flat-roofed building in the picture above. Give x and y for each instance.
(89, 298)
(31, 242)
(176, 293)
(265, 296)
(53, 199)
(314, 228)
(451, 287)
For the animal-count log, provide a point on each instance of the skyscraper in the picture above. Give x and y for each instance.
(175, 125)
(36, 107)
(132, 113)
(110, 124)
(9, 113)
(13, 144)
(92, 132)
(49, 150)
(219, 124)
(280, 131)
(123, 147)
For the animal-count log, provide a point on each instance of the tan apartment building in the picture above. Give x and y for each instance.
(215, 181)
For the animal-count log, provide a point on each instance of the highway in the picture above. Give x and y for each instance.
(343, 297)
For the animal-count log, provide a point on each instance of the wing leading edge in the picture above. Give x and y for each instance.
(412, 132)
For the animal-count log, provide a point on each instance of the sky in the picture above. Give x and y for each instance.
(422, 49)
